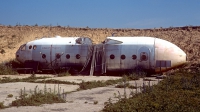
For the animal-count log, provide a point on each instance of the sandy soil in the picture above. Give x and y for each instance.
(76, 101)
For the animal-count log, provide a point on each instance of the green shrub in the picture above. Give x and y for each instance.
(7, 68)
(64, 73)
(177, 93)
(122, 85)
(2, 105)
(53, 81)
(93, 84)
(39, 97)
(9, 96)
(28, 79)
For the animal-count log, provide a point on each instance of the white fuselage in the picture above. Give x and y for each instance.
(146, 52)
(114, 54)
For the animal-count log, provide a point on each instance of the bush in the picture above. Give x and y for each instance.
(177, 93)
(2, 105)
(93, 84)
(8, 68)
(39, 97)
(9, 96)
(28, 79)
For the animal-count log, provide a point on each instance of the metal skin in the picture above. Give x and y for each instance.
(149, 53)
(114, 54)
(53, 53)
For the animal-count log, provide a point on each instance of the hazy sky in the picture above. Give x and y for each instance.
(101, 13)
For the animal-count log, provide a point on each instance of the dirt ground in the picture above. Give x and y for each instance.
(76, 101)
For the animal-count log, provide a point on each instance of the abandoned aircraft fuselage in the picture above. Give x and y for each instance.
(150, 53)
(114, 54)
(55, 52)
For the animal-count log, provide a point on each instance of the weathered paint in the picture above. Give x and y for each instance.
(165, 50)
(117, 53)
(51, 47)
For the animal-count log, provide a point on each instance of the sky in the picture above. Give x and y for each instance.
(139, 14)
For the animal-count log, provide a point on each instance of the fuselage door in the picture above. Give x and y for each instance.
(36, 52)
(144, 57)
(29, 48)
(45, 56)
(125, 57)
(113, 57)
(57, 55)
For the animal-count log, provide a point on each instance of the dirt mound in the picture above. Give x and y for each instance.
(11, 37)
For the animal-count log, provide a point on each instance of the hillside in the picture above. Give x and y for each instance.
(11, 37)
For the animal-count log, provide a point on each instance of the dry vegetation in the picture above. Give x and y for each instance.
(11, 37)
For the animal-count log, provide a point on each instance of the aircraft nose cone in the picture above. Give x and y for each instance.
(167, 52)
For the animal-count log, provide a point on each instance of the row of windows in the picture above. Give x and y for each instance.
(78, 56)
(112, 56)
(30, 47)
(143, 57)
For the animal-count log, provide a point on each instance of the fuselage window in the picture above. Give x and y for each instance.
(79, 40)
(43, 56)
(143, 56)
(78, 56)
(112, 56)
(123, 56)
(67, 56)
(34, 47)
(58, 56)
(30, 47)
(134, 57)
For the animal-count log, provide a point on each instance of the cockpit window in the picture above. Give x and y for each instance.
(23, 47)
(79, 41)
(34, 47)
